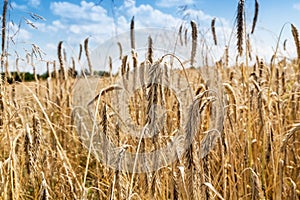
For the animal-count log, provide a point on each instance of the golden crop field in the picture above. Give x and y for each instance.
(211, 132)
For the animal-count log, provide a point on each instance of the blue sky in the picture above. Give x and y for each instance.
(73, 20)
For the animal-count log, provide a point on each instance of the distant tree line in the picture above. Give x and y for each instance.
(27, 76)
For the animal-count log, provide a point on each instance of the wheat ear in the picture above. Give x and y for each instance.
(87, 54)
(5, 3)
(255, 16)
(150, 50)
(61, 60)
(132, 36)
(213, 30)
(240, 26)
(80, 51)
(194, 41)
(296, 39)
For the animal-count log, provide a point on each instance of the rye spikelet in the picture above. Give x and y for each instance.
(37, 137)
(257, 192)
(5, 3)
(44, 193)
(226, 56)
(110, 67)
(123, 66)
(283, 80)
(80, 51)
(191, 129)
(60, 58)
(261, 69)
(123, 70)
(230, 91)
(255, 16)
(194, 41)
(185, 36)
(104, 125)
(240, 26)
(284, 44)
(213, 30)
(296, 39)
(55, 70)
(132, 35)
(87, 54)
(121, 50)
(28, 150)
(207, 176)
(73, 70)
(288, 136)
(150, 50)
(180, 35)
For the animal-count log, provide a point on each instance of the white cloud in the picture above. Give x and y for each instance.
(76, 21)
(85, 11)
(173, 3)
(147, 16)
(129, 3)
(31, 3)
(197, 15)
(56, 25)
(34, 3)
(50, 47)
(14, 5)
(296, 6)
(85, 19)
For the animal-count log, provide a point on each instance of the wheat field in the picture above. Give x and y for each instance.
(236, 127)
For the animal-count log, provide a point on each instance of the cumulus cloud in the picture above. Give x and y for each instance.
(76, 21)
(147, 16)
(129, 3)
(34, 3)
(14, 5)
(173, 3)
(197, 14)
(89, 19)
(31, 3)
(57, 25)
(86, 11)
